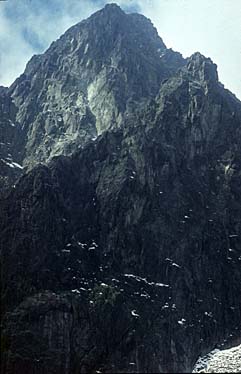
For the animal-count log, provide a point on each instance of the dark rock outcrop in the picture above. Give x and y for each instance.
(125, 256)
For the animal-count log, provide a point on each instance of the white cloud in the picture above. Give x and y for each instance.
(14, 50)
(212, 27)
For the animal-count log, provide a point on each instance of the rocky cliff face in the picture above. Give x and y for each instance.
(97, 72)
(10, 141)
(124, 256)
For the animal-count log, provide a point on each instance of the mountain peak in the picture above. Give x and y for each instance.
(202, 67)
(95, 69)
(112, 7)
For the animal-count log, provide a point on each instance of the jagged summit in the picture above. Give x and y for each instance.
(112, 7)
(202, 67)
(87, 81)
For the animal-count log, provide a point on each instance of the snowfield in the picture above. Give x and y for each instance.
(225, 361)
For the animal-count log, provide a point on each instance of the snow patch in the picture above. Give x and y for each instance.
(104, 285)
(86, 48)
(12, 164)
(182, 321)
(176, 265)
(133, 313)
(139, 279)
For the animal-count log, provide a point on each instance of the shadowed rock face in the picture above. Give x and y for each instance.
(125, 256)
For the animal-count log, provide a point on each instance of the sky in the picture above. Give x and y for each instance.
(212, 27)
